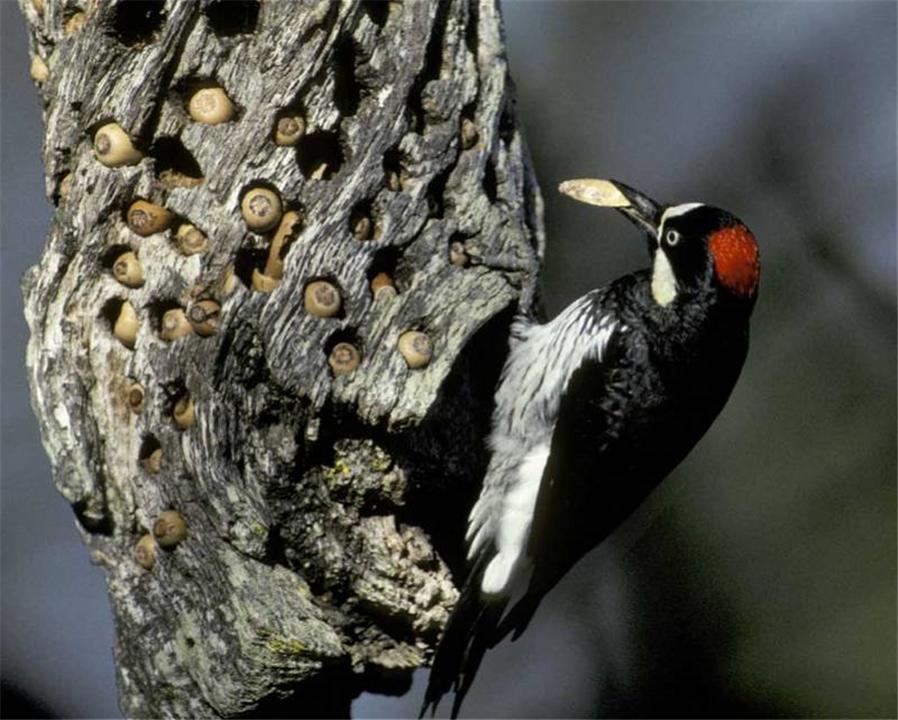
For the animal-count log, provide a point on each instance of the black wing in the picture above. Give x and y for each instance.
(565, 523)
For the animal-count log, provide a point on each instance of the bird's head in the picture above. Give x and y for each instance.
(693, 246)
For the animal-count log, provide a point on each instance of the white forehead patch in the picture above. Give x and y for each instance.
(676, 211)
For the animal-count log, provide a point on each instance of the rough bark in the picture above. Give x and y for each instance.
(321, 510)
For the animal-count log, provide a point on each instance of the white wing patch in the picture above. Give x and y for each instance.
(514, 523)
(540, 363)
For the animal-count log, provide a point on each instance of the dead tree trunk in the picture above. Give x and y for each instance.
(275, 521)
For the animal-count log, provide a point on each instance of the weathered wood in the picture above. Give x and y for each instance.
(321, 510)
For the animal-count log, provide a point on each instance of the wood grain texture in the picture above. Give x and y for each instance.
(322, 511)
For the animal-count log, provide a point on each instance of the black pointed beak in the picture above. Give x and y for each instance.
(642, 211)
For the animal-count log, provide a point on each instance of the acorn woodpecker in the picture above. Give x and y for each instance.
(594, 409)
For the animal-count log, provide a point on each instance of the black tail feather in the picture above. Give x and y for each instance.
(469, 634)
(518, 618)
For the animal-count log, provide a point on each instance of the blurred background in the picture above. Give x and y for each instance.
(760, 580)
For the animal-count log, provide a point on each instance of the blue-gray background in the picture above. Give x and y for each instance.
(760, 580)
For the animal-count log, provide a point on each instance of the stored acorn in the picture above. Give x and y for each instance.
(416, 348)
(146, 218)
(228, 280)
(65, 185)
(382, 286)
(274, 265)
(361, 227)
(145, 552)
(289, 130)
(174, 325)
(39, 70)
(210, 106)
(183, 412)
(152, 462)
(190, 239)
(114, 148)
(126, 325)
(75, 23)
(170, 529)
(344, 357)
(458, 255)
(263, 283)
(322, 299)
(127, 269)
(261, 209)
(469, 134)
(134, 396)
(205, 316)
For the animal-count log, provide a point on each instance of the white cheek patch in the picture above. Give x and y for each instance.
(514, 524)
(664, 284)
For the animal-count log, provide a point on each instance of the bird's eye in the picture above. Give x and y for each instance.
(672, 237)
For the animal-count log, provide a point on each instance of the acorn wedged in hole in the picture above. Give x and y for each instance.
(134, 396)
(170, 529)
(145, 551)
(114, 148)
(344, 357)
(362, 228)
(382, 287)
(458, 255)
(152, 463)
(274, 265)
(261, 209)
(174, 325)
(210, 106)
(289, 130)
(469, 134)
(322, 299)
(183, 412)
(39, 70)
(416, 348)
(146, 218)
(127, 269)
(205, 315)
(263, 283)
(190, 239)
(126, 325)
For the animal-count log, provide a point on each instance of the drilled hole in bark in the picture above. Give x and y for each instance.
(471, 29)
(361, 221)
(97, 526)
(384, 260)
(233, 17)
(347, 91)
(489, 181)
(137, 22)
(319, 155)
(436, 192)
(507, 125)
(174, 164)
(157, 308)
(433, 64)
(377, 11)
(392, 169)
(348, 335)
(149, 445)
(246, 260)
(108, 258)
(111, 310)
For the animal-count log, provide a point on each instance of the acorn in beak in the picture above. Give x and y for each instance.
(640, 209)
